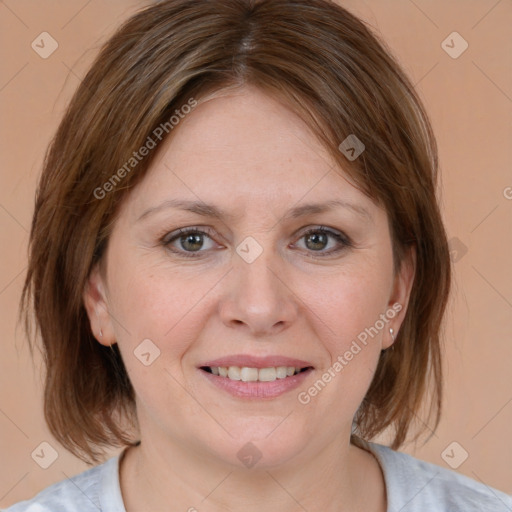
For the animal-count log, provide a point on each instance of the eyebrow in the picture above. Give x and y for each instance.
(210, 210)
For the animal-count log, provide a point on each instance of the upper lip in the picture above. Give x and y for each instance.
(242, 360)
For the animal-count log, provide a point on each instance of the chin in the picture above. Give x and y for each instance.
(264, 444)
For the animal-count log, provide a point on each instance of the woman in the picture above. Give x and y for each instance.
(233, 257)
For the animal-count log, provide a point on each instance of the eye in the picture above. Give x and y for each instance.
(187, 241)
(320, 238)
(191, 242)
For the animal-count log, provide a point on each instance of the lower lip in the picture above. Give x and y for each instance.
(259, 390)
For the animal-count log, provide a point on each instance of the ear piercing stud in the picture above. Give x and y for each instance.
(392, 332)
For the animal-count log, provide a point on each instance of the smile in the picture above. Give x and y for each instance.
(247, 374)
(254, 377)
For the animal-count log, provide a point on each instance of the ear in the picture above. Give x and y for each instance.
(96, 305)
(401, 291)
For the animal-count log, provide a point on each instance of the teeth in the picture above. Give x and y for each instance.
(246, 374)
(234, 373)
(267, 374)
(281, 372)
(249, 374)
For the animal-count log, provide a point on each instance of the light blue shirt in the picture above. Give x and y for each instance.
(412, 486)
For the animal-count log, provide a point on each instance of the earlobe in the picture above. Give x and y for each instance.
(96, 305)
(399, 300)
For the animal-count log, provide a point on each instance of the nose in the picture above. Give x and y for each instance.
(258, 300)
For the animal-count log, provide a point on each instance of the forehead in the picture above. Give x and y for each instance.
(244, 148)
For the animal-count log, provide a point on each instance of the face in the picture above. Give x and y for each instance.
(218, 263)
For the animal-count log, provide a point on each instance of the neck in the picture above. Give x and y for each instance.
(159, 473)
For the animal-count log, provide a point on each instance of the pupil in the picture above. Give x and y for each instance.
(192, 239)
(319, 240)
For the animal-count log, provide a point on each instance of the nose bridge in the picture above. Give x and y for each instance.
(259, 297)
(258, 277)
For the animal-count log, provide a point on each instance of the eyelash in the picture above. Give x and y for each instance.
(170, 238)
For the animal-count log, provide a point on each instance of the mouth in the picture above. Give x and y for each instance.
(252, 374)
(253, 377)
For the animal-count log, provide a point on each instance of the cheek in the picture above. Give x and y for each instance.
(346, 311)
(170, 310)
(346, 304)
(355, 314)
(165, 306)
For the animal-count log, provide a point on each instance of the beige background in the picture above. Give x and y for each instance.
(470, 102)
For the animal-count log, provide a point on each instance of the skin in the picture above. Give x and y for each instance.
(251, 156)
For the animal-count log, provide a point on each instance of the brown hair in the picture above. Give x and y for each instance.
(324, 63)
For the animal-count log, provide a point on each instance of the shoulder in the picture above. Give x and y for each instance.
(414, 485)
(93, 490)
